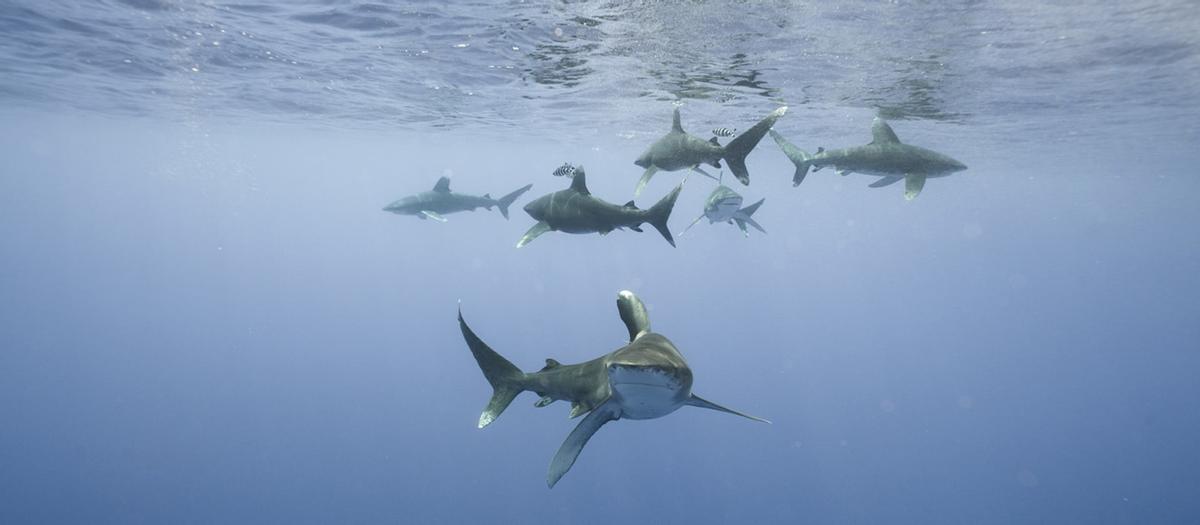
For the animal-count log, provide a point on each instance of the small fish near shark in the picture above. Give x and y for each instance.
(885, 157)
(575, 210)
(725, 205)
(679, 150)
(440, 200)
(566, 170)
(645, 379)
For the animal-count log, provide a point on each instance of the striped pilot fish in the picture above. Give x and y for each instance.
(724, 132)
(566, 170)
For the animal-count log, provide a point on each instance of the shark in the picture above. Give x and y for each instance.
(575, 210)
(440, 200)
(885, 157)
(646, 378)
(725, 205)
(679, 150)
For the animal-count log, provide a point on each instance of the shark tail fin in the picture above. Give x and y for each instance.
(658, 214)
(507, 380)
(799, 157)
(743, 217)
(507, 200)
(738, 148)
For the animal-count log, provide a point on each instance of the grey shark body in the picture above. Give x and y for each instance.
(725, 205)
(679, 150)
(884, 157)
(645, 379)
(440, 201)
(575, 210)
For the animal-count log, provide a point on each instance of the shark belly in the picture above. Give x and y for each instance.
(647, 393)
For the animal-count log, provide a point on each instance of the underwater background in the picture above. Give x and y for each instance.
(205, 317)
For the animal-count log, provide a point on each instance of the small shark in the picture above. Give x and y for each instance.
(644, 379)
(440, 200)
(678, 150)
(725, 205)
(885, 157)
(575, 210)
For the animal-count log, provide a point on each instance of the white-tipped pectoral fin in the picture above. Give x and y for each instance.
(698, 401)
(573, 445)
(642, 182)
(689, 226)
(537, 229)
(432, 215)
(913, 182)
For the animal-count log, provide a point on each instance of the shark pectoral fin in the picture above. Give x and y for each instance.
(913, 182)
(573, 445)
(642, 182)
(698, 401)
(886, 181)
(432, 215)
(537, 229)
(689, 226)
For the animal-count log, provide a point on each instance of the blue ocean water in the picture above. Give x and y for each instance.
(206, 317)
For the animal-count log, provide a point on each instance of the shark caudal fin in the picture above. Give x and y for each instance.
(507, 200)
(742, 217)
(658, 214)
(799, 157)
(738, 148)
(507, 380)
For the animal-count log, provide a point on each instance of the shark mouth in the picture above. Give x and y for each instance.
(646, 392)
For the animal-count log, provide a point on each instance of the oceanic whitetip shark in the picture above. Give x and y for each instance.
(725, 205)
(644, 379)
(885, 157)
(440, 201)
(679, 150)
(575, 210)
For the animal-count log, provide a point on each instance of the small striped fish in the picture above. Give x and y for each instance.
(566, 170)
(724, 132)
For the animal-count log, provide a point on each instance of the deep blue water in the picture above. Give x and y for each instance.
(205, 317)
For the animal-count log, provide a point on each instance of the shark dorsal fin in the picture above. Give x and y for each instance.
(551, 363)
(714, 141)
(882, 133)
(633, 313)
(579, 182)
(675, 125)
(443, 185)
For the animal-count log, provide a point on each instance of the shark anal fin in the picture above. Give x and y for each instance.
(636, 228)
(573, 445)
(537, 229)
(913, 182)
(642, 182)
(551, 363)
(698, 401)
(886, 181)
(432, 215)
(545, 400)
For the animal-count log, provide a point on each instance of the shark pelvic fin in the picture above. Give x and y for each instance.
(573, 445)
(545, 400)
(913, 182)
(886, 181)
(882, 133)
(578, 409)
(700, 402)
(506, 379)
(442, 185)
(533, 233)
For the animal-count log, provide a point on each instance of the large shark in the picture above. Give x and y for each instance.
(725, 205)
(679, 150)
(440, 200)
(644, 379)
(575, 210)
(885, 157)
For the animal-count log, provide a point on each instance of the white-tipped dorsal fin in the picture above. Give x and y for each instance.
(633, 313)
(881, 132)
(443, 185)
(579, 181)
(675, 124)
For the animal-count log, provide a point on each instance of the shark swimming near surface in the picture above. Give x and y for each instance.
(679, 150)
(885, 157)
(575, 210)
(440, 200)
(645, 379)
(725, 205)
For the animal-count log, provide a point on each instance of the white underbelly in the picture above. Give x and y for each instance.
(646, 395)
